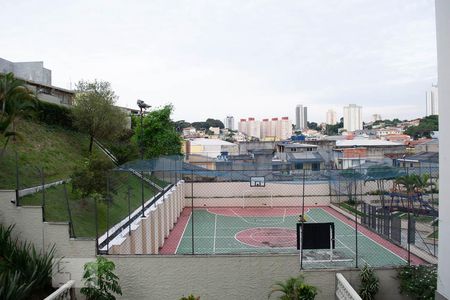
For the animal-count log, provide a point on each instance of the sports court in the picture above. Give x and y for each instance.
(269, 230)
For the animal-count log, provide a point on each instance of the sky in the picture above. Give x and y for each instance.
(255, 58)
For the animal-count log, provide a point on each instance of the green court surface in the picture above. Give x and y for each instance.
(243, 231)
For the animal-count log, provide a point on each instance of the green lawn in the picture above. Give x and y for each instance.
(53, 148)
(82, 212)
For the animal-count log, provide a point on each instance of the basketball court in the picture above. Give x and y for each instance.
(270, 230)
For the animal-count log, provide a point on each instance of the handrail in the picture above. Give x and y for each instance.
(344, 291)
(63, 293)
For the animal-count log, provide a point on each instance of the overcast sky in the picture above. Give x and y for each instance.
(241, 58)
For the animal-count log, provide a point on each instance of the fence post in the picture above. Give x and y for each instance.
(96, 225)
(43, 193)
(192, 211)
(129, 209)
(17, 178)
(356, 220)
(71, 227)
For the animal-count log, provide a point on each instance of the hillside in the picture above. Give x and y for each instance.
(52, 148)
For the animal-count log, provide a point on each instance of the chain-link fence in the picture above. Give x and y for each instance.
(382, 215)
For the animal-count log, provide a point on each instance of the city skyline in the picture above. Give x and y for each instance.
(257, 57)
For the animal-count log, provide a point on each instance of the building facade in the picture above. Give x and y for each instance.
(353, 117)
(301, 117)
(432, 101)
(229, 122)
(331, 117)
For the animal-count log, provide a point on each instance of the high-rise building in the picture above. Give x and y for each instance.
(331, 117)
(301, 117)
(242, 126)
(353, 117)
(229, 122)
(376, 117)
(432, 103)
(253, 128)
(285, 126)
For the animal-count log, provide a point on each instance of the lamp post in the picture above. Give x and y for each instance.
(142, 107)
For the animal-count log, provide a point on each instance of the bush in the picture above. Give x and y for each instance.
(369, 283)
(419, 282)
(23, 270)
(190, 297)
(100, 281)
(54, 114)
(91, 177)
(294, 289)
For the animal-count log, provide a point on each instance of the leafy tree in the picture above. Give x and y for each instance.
(91, 176)
(425, 127)
(179, 125)
(380, 174)
(313, 126)
(159, 134)
(419, 282)
(100, 281)
(16, 100)
(215, 123)
(94, 111)
(334, 129)
(200, 125)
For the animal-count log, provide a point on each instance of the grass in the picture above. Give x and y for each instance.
(351, 208)
(422, 219)
(83, 211)
(52, 148)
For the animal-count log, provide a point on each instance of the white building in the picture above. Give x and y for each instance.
(443, 55)
(250, 127)
(353, 117)
(432, 102)
(301, 117)
(331, 117)
(229, 122)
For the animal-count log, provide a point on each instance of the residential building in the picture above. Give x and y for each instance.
(273, 129)
(297, 157)
(432, 101)
(331, 117)
(210, 147)
(353, 117)
(229, 122)
(38, 80)
(301, 117)
(242, 126)
(189, 131)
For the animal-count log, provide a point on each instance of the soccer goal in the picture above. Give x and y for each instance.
(257, 198)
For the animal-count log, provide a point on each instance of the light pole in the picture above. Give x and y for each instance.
(142, 106)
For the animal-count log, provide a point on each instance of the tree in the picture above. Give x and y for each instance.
(313, 126)
(425, 127)
(16, 100)
(100, 281)
(91, 177)
(159, 134)
(94, 111)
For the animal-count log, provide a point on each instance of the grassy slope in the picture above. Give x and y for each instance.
(55, 149)
(83, 211)
(58, 151)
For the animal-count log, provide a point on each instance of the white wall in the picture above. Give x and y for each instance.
(443, 47)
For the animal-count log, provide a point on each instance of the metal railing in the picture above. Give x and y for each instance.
(65, 292)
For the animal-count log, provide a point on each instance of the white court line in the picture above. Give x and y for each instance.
(184, 230)
(284, 215)
(215, 233)
(256, 223)
(368, 237)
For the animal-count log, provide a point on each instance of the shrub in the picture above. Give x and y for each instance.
(419, 282)
(369, 283)
(100, 281)
(54, 114)
(190, 297)
(294, 288)
(23, 270)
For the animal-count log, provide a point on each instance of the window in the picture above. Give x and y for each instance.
(315, 167)
(298, 166)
